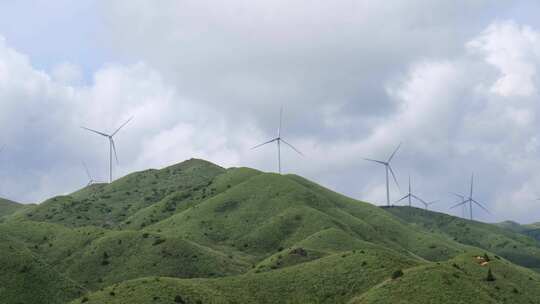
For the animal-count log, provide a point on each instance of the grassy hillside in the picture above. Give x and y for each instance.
(518, 248)
(333, 279)
(531, 230)
(26, 278)
(459, 280)
(198, 233)
(267, 212)
(8, 207)
(109, 205)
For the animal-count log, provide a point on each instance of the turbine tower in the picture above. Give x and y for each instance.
(470, 200)
(388, 169)
(410, 196)
(112, 146)
(278, 140)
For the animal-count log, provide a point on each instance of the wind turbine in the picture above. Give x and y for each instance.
(112, 146)
(427, 204)
(387, 168)
(464, 207)
(278, 140)
(470, 200)
(410, 196)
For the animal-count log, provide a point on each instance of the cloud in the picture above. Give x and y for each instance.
(515, 51)
(206, 79)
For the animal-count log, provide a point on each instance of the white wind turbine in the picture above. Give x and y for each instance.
(278, 140)
(470, 200)
(410, 196)
(388, 169)
(112, 146)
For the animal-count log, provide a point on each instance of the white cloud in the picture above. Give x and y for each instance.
(515, 51)
(206, 80)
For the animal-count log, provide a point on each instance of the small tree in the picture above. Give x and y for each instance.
(490, 277)
(396, 274)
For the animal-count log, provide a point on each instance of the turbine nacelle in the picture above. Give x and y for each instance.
(388, 168)
(112, 145)
(279, 140)
(470, 200)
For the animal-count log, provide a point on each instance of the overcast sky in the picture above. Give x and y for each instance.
(456, 81)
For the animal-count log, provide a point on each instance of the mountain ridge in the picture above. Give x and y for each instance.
(199, 233)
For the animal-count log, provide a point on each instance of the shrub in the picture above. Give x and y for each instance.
(158, 241)
(486, 257)
(396, 274)
(490, 277)
(178, 299)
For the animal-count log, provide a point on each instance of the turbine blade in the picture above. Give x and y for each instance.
(458, 195)
(373, 160)
(459, 204)
(399, 200)
(87, 172)
(114, 149)
(122, 126)
(292, 147)
(97, 132)
(421, 200)
(394, 176)
(480, 205)
(264, 143)
(394, 153)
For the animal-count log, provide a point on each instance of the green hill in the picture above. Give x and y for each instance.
(8, 207)
(514, 246)
(460, 280)
(198, 233)
(531, 230)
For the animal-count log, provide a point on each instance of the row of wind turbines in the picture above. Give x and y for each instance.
(463, 200)
(410, 196)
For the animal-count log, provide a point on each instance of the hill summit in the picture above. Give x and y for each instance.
(199, 233)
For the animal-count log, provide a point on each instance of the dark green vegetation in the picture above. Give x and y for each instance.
(8, 207)
(516, 247)
(532, 230)
(198, 233)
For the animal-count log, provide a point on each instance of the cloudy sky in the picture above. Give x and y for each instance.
(456, 81)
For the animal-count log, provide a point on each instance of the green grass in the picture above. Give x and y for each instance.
(531, 230)
(26, 278)
(459, 280)
(516, 247)
(332, 279)
(204, 234)
(109, 205)
(8, 207)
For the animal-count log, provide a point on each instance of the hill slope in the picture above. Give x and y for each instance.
(531, 230)
(518, 248)
(8, 207)
(195, 232)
